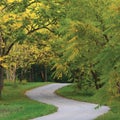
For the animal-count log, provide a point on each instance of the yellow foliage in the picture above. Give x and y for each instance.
(16, 20)
(10, 1)
(112, 7)
(4, 65)
(1, 58)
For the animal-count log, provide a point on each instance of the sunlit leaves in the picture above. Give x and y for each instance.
(1, 58)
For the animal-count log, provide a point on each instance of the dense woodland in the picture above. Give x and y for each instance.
(61, 40)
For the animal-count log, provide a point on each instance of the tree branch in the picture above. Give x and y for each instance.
(33, 30)
(11, 45)
(38, 28)
(49, 29)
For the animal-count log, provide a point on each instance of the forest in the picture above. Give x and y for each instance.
(75, 41)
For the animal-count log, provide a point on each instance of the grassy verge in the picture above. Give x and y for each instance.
(93, 96)
(16, 106)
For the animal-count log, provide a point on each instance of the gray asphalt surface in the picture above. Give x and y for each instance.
(67, 109)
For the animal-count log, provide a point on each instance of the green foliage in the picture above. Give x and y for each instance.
(89, 50)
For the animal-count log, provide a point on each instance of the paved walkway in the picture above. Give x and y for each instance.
(67, 109)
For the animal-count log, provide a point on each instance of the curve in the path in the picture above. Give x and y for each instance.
(67, 109)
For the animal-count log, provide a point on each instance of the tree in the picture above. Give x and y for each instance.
(21, 20)
(109, 58)
(85, 35)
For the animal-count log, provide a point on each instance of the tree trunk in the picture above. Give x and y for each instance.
(14, 74)
(46, 73)
(118, 87)
(96, 79)
(1, 80)
(42, 75)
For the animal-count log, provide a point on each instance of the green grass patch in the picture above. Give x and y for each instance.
(100, 96)
(16, 106)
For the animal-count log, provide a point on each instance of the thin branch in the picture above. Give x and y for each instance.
(38, 28)
(11, 45)
(31, 31)
(49, 29)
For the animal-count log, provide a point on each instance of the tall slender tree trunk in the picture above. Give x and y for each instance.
(42, 75)
(31, 74)
(14, 75)
(96, 79)
(1, 80)
(118, 87)
(46, 79)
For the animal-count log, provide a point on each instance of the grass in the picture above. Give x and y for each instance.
(100, 97)
(16, 106)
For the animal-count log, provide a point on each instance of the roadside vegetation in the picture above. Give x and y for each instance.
(16, 106)
(100, 97)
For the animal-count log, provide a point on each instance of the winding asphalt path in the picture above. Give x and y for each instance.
(67, 109)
